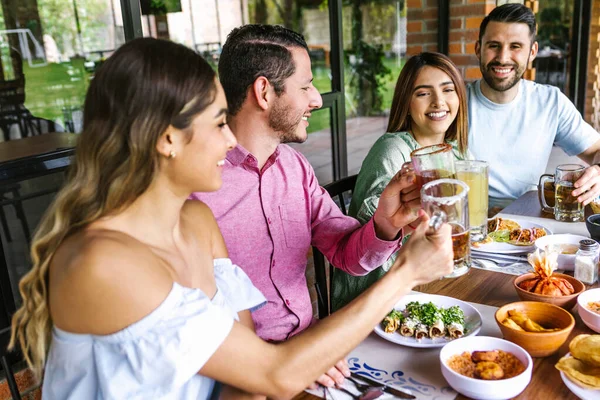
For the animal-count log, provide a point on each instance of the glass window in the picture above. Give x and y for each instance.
(49, 51)
(308, 17)
(592, 104)
(200, 25)
(554, 19)
(204, 26)
(375, 48)
(317, 148)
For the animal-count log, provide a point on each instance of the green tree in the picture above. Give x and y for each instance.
(369, 71)
(58, 20)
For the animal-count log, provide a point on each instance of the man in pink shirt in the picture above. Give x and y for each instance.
(271, 208)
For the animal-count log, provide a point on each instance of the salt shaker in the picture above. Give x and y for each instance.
(586, 261)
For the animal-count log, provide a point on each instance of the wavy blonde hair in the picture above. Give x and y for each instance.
(146, 86)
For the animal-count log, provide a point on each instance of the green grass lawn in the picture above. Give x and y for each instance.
(53, 87)
(322, 82)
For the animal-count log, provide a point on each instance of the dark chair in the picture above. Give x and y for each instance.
(6, 359)
(15, 200)
(339, 193)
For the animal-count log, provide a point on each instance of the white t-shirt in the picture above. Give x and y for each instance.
(157, 357)
(516, 138)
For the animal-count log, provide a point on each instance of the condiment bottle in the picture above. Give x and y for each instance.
(586, 261)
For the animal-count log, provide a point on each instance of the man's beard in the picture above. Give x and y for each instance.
(505, 84)
(283, 122)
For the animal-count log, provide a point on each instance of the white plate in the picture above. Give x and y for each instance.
(506, 248)
(472, 320)
(582, 393)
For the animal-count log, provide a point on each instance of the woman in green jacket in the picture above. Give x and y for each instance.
(433, 111)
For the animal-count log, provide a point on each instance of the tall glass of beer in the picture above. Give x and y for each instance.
(475, 174)
(450, 197)
(566, 207)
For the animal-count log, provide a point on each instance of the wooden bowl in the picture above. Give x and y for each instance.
(538, 344)
(566, 302)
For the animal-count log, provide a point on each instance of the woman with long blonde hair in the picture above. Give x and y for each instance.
(131, 294)
(429, 107)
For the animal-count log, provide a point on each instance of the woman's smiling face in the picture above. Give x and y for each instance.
(434, 103)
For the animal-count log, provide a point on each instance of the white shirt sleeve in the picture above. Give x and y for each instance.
(574, 135)
(237, 287)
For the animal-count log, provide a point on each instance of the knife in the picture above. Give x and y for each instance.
(384, 387)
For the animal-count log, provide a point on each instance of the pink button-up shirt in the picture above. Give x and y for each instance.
(269, 220)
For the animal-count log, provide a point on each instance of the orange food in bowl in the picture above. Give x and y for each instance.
(537, 344)
(465, 364)
(567, 302)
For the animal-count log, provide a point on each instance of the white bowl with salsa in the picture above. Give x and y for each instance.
(476, 388)
(588, 307)
(566, 243)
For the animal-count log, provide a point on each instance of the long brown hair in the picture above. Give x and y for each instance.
(146, 86)
(400, 119)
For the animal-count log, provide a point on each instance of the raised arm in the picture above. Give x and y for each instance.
(283, 370)
(358, 250)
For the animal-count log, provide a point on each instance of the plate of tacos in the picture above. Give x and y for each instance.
(506, 236)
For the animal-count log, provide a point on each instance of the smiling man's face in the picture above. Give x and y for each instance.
(504, 53)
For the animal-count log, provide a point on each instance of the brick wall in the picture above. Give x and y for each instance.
(421, 26)
(592, 104)
(465, 18)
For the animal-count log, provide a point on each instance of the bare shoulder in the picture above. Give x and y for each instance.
(201, 221)
(102, 281)
(195, 209)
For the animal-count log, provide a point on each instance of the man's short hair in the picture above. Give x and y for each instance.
(510, 13)
(252, 51)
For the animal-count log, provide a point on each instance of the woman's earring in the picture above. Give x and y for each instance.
(172, 154)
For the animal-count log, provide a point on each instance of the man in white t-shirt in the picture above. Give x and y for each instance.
(513, 123)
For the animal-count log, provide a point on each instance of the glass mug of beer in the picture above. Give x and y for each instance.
(451, 197)
(475, 174)
(566, 207)
(431, 162)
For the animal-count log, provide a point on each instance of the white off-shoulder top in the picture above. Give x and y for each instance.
(157, 357)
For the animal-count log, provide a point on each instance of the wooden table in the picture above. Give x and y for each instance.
(35, 145)
(496, 289)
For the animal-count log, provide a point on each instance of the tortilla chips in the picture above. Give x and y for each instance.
(583, 365)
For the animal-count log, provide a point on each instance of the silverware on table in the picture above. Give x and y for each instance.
(362, 386)
(383, 386)
(498, 257)
(371, 393)
(495, 263)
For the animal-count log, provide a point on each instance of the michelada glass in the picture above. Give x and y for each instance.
(566, 207)
(432, 162)
(451, 197)
(475, 174)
